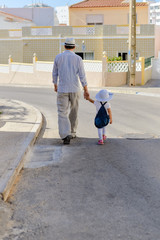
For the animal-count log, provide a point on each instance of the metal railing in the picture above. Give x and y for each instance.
(148, 61)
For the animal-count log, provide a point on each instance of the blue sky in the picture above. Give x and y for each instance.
(22, 3)
(52, 3)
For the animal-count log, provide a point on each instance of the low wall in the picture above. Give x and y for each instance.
(138, 80)
(147, 74)
(155, 68)
(40, 73)
(115, 79)
(44, 78)
(94, 79)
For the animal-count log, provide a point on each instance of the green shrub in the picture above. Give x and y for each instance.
(114, 59)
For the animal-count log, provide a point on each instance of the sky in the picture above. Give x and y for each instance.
(22, 3)
(52, 3)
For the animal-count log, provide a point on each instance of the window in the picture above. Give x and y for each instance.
(94, 19)
(86, 55)
(124, 56)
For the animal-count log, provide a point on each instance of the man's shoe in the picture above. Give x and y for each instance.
(66, 140)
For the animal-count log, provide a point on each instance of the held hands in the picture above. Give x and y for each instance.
(55, 87)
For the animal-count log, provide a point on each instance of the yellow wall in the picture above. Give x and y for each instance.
(112, 16)
(14, 48)
(46, 49)
(103, 38)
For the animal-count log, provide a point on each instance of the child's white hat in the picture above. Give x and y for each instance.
(104, 96)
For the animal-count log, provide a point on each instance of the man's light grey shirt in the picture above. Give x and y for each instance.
(68, 67)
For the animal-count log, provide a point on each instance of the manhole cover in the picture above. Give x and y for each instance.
(138, 136)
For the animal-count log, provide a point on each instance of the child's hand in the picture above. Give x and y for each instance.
(110, 121)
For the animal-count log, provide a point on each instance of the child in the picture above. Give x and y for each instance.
(102, 97)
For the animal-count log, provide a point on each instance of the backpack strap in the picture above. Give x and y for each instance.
(103, 103)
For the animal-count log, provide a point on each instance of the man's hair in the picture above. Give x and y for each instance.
(69, 47)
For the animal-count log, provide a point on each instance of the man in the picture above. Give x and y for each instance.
(68, 67)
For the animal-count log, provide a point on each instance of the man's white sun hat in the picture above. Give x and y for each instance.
(104, 96)
(70, 42)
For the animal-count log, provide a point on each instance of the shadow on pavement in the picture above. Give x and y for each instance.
(152, 83)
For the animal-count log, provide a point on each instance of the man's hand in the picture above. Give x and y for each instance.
(86, 93)
(55, 87)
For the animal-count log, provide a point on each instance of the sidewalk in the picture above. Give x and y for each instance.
(20, 124)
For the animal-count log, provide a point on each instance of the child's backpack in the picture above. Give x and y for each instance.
(102, 118)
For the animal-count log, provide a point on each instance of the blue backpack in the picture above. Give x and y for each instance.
(102, 118)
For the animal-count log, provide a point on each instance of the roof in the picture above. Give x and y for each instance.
(11, 16)
(36, 5)
(105, 3)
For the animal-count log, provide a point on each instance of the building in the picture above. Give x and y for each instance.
(62, 15)
(155, 13)
(92, 41)
(10, 21)
(106, 12)
(39, 16)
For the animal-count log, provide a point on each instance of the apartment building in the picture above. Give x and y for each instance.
(155, 13)
(106, 12)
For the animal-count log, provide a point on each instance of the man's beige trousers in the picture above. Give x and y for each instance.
(67, 104)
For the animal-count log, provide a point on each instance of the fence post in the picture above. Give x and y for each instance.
(34, 62)
(104, 69)
(10, 60)
(142, 59)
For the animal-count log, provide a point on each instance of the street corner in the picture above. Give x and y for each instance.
(21, 125)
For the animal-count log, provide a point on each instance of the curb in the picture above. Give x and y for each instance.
(129, 91)
(11, 175)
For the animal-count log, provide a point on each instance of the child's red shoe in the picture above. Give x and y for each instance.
(100, 142)
(104, 137)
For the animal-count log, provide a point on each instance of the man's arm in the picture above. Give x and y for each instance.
(55, 75)
(86, 93)
(90, 99)
(82, 77)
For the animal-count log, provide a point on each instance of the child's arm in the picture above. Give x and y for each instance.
(110, 115)
(89, 99)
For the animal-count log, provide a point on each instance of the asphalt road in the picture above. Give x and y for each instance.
(86, 191)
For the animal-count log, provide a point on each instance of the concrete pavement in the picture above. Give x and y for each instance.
(20, 124)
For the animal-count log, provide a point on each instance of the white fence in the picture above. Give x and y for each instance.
(121, 66)
(92, 66)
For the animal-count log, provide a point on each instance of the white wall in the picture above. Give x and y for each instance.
(39, 16)
(13, 25)
(62, 15)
